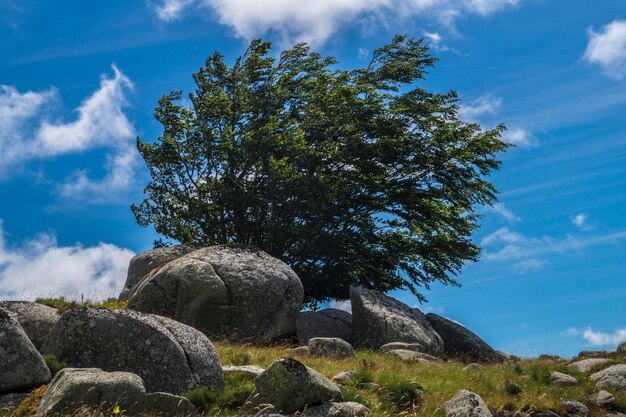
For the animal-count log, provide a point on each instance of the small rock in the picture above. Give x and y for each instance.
(344, 377)
(164, 404)
(8, 402)
(252, 370)
(415, 347)
(472, 367)
(411, 356)
(601, 398)
(290, 386)
(466, 404)
(621, 348)
(299, 351)
(344, 409)
(614, 414)
(587, 365)
(574, 407)
(613, 378)
(561, 379)
(545, 413)
(332, 347)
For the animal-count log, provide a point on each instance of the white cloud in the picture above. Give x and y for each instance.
(344, 305)
(604, 339)
(607, 48)
(518, 136)
(580, 221)
(364, 53)
(571, 332)
(436, 41)
(316, 21)
(500, 208)
(42, 268)
(100, 123)
(486, 104)
(432, 309)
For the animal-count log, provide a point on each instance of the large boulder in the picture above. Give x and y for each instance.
(378, 319)
(329, 322)
(332, 347)
(167, 355)
(588, 365)
(36, 319)
(290, 386)
(459, 342)
(21, 366)
(612, 378)
(145, 262)
(92, 389)
(235, 292)
(466, 404)
(164, 404)
(562, 380)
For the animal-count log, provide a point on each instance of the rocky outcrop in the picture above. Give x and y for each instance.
(588, 365)
(329, 322)
(290, 386)
(466, 404)
(415, 347)
(36, 319)
(234, 292)
(92, 389)
(21, 365)
(621, 348)
(332, 347)
(461, 343)
(412, 356)
(574, 408)
(562, 380)
(167, 355)
(378, 319)
(144, 263)
(611, 378)
(601, 398)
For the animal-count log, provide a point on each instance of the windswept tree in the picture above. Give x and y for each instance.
(350, 176)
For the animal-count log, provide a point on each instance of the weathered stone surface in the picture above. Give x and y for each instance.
(234, 292)
(415, 347)
(561, 379)
(299, 351)
(252, 370)
(344, 377)
(412, 356)
(8, 402)
(164, 404)
(73, 389)
(145, 262)
(344, 409)
(601, 398)
(36, 319)
(466, 404)
(332, 347)
(329, 322)
(168, 356)
(621, 348)
(378, 319)
(459, 342)
(588, 365)
(290, 386)
(611, 378)
(594, 354)
(21, 366)
(573, 407)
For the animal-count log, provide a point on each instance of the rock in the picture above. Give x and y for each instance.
(94, 389)
(415, 347)
(412, 356)
(8, 402)
(587, 365)
(145, 262)
(472, 367)
(562, 380)
(164, 404)
(252, 370)
(466, 404)
(299, 351)
(601, 398)
(36, 319)
(614, 414)
(329, 322)
(369, 386)
(459, 342)
(268, 411)
(234, 292)
(621, 348)
(167, 355)
(573, 407)
(378, 319)
(611, 378)
(332, 347)
(345, 409)
(290, 386)
(594, 354)
(21, 365)
(344, 377)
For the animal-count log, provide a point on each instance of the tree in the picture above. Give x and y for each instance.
(351, 177)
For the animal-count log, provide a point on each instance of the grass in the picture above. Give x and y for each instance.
(62, 304)
(54, 364)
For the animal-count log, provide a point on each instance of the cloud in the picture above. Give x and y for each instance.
(486, 104)
(28, 135)
(580, 221)
(344, 305)
(571, 332)
(42, 268)
(316, 21)
(500, 208)
(432, 309)
(607, 48)
(604, 339)
(518, 136)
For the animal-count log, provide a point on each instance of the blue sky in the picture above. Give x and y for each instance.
(79, 80)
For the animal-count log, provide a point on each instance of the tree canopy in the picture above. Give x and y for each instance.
(349, 176)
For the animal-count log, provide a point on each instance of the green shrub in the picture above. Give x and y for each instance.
(237, 388)
(241, 358)
(512, 388)
(54, 364)
(362, 376)
(403, 395)
(540, 373)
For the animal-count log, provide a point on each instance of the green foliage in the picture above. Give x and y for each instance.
(237, 387)
(362, 376)
(54, 364)
(351, 177)
(240, 358)
(62, 304)
(511, 388)
(540, 372)
(403, 395)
